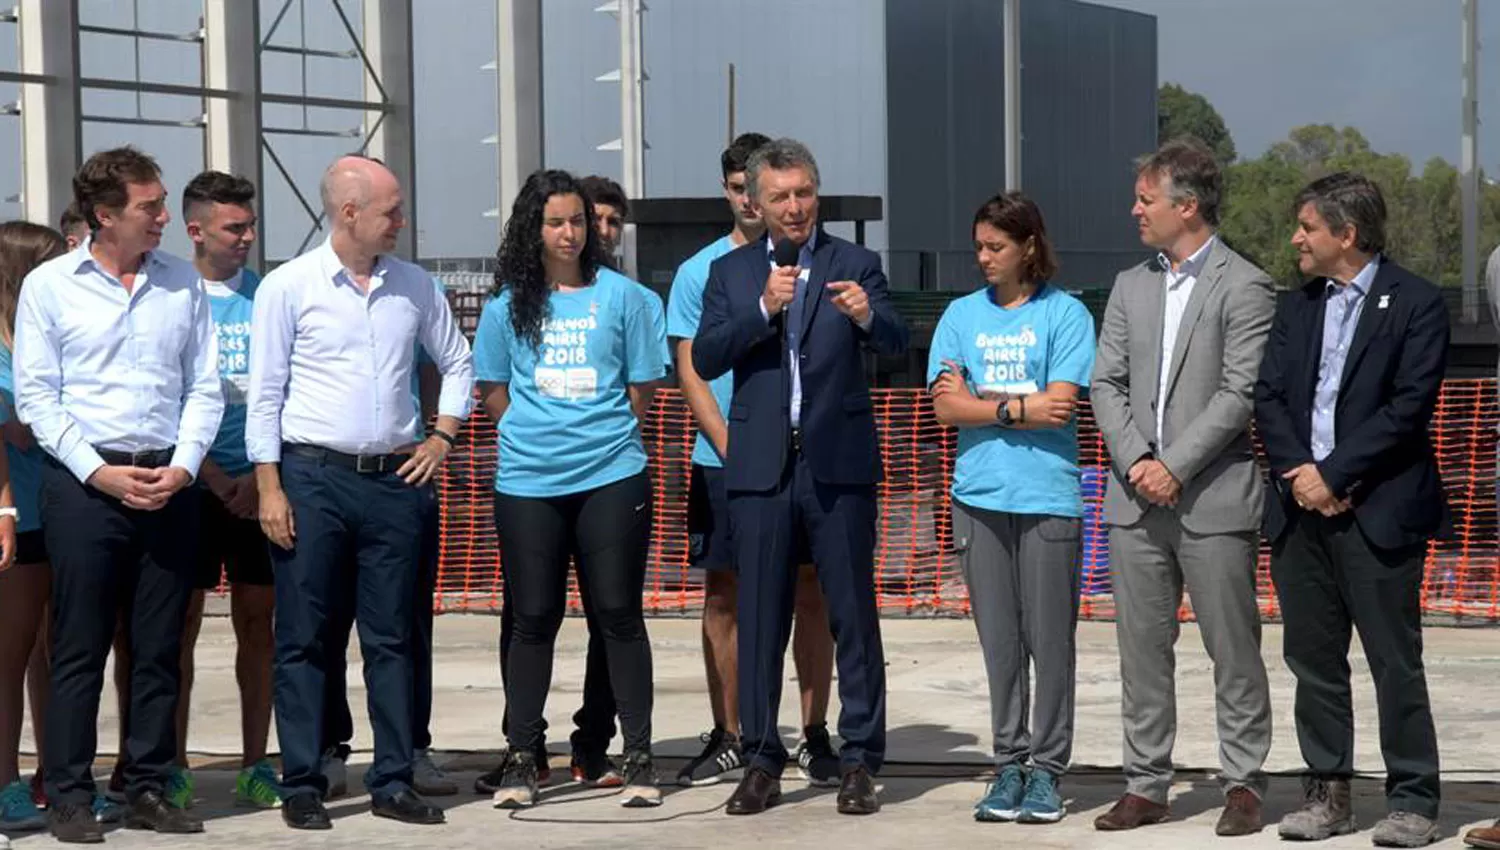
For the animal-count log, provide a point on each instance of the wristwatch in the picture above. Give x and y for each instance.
(1002, 413)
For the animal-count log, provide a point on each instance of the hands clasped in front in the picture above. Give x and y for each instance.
(140, 488)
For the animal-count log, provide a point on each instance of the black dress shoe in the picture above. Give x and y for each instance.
(857, 793)
(72, 823)
(407, 807)
(152, 811)
(757, 792)
(305, 811)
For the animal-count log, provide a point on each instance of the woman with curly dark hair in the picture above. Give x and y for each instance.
(566, 357)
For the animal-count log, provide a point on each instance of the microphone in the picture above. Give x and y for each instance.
(784, 254)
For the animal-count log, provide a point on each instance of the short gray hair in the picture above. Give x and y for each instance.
(779, 155)
(1191, 171)
(1348, 199)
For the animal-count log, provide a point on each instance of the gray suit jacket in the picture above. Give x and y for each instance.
(1214, 364)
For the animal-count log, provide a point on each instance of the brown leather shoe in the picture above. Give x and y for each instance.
(1241, 813)
(857, 793)
(1484, 837)
(757, 792)
(1130, 812)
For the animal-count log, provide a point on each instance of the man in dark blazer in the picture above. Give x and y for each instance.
(803, 460)
(1347, 389)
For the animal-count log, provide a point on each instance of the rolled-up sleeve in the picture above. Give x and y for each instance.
(447, 347)
(272, 329)
(38, 381)
(203, 405)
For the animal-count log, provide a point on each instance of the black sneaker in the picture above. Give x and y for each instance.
(720, 759)
(489, 783)
(641, 789)
(518, 781)
(816, 759)
(595, 770)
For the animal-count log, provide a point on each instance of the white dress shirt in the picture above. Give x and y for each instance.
(1179, 284)
(331, 366)
(97, 367)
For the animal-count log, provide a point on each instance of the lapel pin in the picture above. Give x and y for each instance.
(1385, 301)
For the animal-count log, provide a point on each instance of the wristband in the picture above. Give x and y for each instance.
(451, 440)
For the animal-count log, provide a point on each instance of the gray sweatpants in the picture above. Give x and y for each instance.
(1023, 574)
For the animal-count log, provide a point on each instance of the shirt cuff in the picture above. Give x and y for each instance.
(868, 323)
(83, 462)
(188, 456)
(764, 313)
(267, 453)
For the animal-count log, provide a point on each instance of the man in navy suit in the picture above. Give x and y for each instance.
(1347, 390)
(803, 460)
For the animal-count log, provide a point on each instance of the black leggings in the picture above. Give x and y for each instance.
(609, 528)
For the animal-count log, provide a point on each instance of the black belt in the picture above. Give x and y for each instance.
(147, 459)
(363, 464)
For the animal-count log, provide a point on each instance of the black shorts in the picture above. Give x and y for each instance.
(237, 546)
(31, 547)
(710, 544)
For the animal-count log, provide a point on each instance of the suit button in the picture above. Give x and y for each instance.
(802, 357)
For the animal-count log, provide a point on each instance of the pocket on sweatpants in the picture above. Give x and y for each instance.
(963, 527)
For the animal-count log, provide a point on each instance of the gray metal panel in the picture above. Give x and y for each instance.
(822, 83)
(1084, 123)
(1089, 107)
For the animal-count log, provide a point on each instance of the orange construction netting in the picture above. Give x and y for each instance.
(915, 566)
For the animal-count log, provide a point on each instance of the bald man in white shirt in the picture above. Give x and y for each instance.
(344, 483)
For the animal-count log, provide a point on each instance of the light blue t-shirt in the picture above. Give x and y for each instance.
(658, 320)
(232, 304)
(1018, 351)
(684, 309)
(25, 467)
(569, 427)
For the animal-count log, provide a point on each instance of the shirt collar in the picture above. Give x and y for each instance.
(1193, 265)
(333, 267)
(83, 258)
(1361, 283)
(807, 247)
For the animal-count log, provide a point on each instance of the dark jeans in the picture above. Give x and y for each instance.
(103, 554)
(358, 551)
(608, 531)
(338, 722)
(1329, 578)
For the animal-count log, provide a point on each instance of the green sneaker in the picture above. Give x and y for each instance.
(180, 788)
(256, 787)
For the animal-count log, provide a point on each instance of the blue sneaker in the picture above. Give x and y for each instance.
(1041, 803)
(18, 813)
(1002, 799)
(107, 810)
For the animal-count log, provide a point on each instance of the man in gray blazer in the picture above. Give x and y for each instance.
(1179, 352)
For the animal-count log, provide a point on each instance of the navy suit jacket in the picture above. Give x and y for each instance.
(1383, 458)
(837, 420)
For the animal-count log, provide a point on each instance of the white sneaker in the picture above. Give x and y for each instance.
(428, 779)
(337, 774)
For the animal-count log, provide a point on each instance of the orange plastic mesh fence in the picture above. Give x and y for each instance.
(916, 568)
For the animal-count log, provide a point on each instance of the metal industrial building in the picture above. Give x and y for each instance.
(901, 99)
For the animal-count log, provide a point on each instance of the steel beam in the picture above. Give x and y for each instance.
(51, 129)
(231, 62)
(387, 52)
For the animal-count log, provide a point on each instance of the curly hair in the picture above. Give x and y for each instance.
(520, 265)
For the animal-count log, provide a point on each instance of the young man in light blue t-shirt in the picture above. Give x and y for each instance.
(708, 525)
(219, 211)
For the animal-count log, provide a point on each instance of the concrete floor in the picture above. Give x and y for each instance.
(938, 720)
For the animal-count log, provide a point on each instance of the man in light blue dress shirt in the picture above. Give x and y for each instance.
(332, 430)
(117, 375)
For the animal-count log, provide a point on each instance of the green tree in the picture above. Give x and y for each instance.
(1180, 112)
